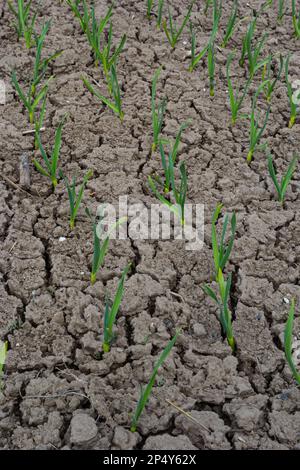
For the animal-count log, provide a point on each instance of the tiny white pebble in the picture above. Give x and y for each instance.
(204, 89)
(62, 239)
(286, 301)
(184, 43)
(18, 344)
(82, 272)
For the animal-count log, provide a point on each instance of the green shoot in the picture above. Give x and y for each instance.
(149, 8)
(208, 3)
(51, 163)
(282, 187)
(32, 98)
(84, 18)
(288, 342)
(74, 200)
(112, 311)
(101, 247)
(225, 317)
(231, 24)
(235, 99)
(281, 10)
(221, 250)
(294, 96)
(107, 59)
(267, 4)
(211, 69)
(25, 21)
(296, 19)
(195, 58)
(3, 353)
(145, 393)
(256, 131)
(173, 34)
(39, 121)
(94, 30)
(172, 156)
(160, 12)
(270, 85)
(178, 194)
(30, 102)
(116, 104)
(41, 65)
(157, 112)
(252, 52)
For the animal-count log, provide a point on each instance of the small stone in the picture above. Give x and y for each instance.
(62, 239)
(286, 301)
(58, 317)
(199, 330)
(83, 430)
(124, 439)
(89, 344)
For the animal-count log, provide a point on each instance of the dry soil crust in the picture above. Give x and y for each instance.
(59, 391)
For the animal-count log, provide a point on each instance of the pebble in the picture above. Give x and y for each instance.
(83, 429)
(199, 330)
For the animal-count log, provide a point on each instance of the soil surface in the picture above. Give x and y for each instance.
(59, 390)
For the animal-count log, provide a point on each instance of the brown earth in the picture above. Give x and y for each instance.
(59, 391)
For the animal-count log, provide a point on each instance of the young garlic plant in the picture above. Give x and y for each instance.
(225, 315)
(145, 393)
(101, 246)
(253, 51)
(221, 250)
(33, 96)
(267, 75)
(116, 104)
(25, 20)
(158, 112)
(111, 311)
(149, 8)
(208, 3)
(169, 184)
(282, 186)
(50, 168)
(173, 33)
(281, 10)
(99, 39)
(195, 58)
(296, 19)
(221, 253)
(179, 193)
(160, 13)
(288, 343)
(75, 200)
(231, 24)
(211, 68)
(84, 17)
(293, 96)
(256, 131)
(235, 98)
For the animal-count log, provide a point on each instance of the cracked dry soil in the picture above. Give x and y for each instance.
(59, 392)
